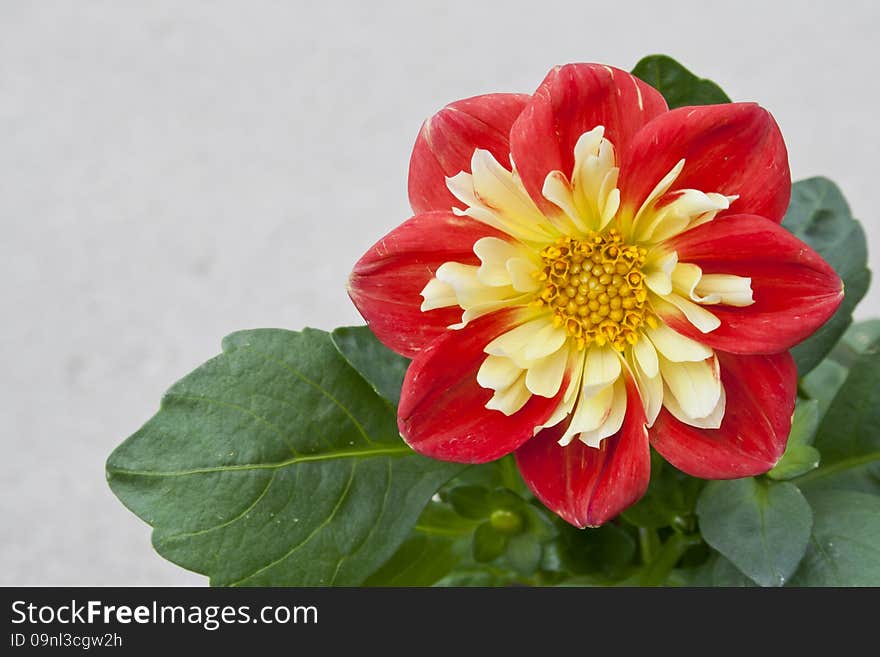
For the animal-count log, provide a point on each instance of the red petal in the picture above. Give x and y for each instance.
(448, 139)
(761, 394)
(572, 100)
(584, 485)
(794, 289)
(442, 410)
(731, 149)
(386, 282)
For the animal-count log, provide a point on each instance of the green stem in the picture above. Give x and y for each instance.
(649, 544)
(509, 473)
(658, 570)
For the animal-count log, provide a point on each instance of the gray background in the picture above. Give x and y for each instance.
(172, 171)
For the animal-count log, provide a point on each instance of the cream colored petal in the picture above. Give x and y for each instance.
(658, 270)
(591, 412)
(574, 369)
(461, 186)
(594, 179)
(546, 341)
(658, 282)
(486, 307)
(522, 274)
(690, 208)
(469, 289)
(511, 399)
(613, 421)
(729, 289)
(711, 421)
(704, 320)
(438, 294)
(557, 190)
(650, 389)
(497, 372)
(602, 367)
(696, 386)
(513, 342)
(676, 347)
(609, 198)
(545, 375)
(494, 254)
(500, 189)
(646, 356)
(686, 277)
(642, 222)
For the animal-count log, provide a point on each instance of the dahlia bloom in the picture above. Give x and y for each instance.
(588, 271)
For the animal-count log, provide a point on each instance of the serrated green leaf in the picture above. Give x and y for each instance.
(849, 435)
(800, 456)
(275, 463)
(382, 368)
(844, 548)
(678, 85)
(762, 528)
(820, 216)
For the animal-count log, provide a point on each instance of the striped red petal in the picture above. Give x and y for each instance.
(386, 282)
(735, 148)
(447, 141)
(794, 289)
(442, 410)
(584, 485)
(761, 394)
(572, 100)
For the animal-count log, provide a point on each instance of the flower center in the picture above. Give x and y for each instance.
(595, 289)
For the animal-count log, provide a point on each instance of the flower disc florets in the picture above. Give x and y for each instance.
(596, 289)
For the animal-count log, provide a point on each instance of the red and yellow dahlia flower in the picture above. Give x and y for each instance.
(588, 271)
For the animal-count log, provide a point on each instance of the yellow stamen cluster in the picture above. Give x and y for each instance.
(596, 289)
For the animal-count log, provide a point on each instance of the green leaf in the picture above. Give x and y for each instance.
(437, 545)
(669, 500)
(862, 336)
(382, 368)
(422, 560)
(849, 435)
(725, 574)
(763, 528)
(607, 549)
(844, 548)
(678, 85)
(524, 553)
(823, 382)
(275, 463)
(819, 215)
(800, 456)
(470, 501)
(477, 576)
